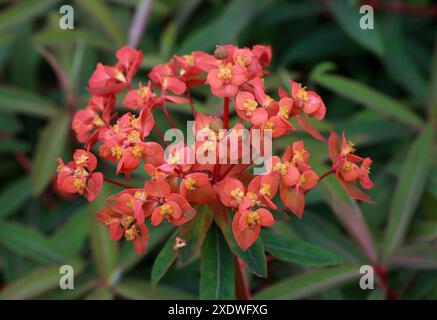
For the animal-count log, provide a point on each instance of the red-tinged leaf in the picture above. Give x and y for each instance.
(418, 256)
(310, 283)
(355, 192)
(194, 233)
(334, 146)
(176, 99)
(306, 125)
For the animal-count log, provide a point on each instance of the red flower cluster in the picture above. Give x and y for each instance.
(179, 184)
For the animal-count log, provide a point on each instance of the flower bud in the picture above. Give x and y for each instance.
(221, 53)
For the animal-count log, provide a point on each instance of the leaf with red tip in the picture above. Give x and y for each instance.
(306, 125)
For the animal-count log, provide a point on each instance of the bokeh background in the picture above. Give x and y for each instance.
(380, 86)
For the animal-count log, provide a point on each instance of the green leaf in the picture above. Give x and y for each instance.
(15, 100)
(14, 196)
(222, 30)
(310, 283)
(368, 97)
(129, 257)
(164, 260)
(331, 238)
(348, 16)
(58, 36)
(30, 243)
(347, 211)
(23, 12)
(408, 192)
(254, 257)
(36, 283)
(298, 251)
(136, 289)
(217, 276)
(194, 233)
(73, 233)
(104, 250)
(101, 293)
(417, 256)
(50, 145)
(102, 15)
(400, 66)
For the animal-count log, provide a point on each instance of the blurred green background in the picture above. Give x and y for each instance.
(379, 86)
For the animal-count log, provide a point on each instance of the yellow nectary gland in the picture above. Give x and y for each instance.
(139, 195)
(82, 159)
(283, 112)
(131, 233)
(133, 136)
(250, 105)
(116, 152)
(137, 151)
(281, 168)
(298, 155)
(253, 218)
(242, 60)
(265, 189)
(252, 196)
(347, 166)
(126, 221)
(302, 94)
(143, 92)
(166, 209)
(237, 194)
(350, 148)
(303, 180)
(225, 72)
(190, 183)
(97, 121)
(79, 184)
(269, 125)
(189, 58)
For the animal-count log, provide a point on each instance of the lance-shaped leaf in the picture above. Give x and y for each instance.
(411, 183)
(348, 17)
(254, 257)
(346, 211)
(16, 100)
(28, 242)
(137, 289)
(14, 196)
(217, 277)
(165, 259)
(104, 250)
(368, 97)
(310, 283)
(23, 11)
(100, 12)
(194, 233)
(418, 256)
(298, 251)
(50, 146)
(36, 282)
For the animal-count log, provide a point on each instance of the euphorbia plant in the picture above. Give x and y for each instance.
(179, 186)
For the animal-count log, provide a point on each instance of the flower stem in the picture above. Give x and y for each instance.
(160, 135)
(118, 183)
(327, 173)
(226, 113)
(164, 109)
(193, 111)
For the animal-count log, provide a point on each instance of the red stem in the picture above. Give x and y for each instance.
(327, 173)
(242, 288)
(193, 111)
(160, 135)
(118, 183)
(226, 113)
(167, 115)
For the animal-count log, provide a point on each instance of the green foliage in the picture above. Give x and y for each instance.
(379, 86)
